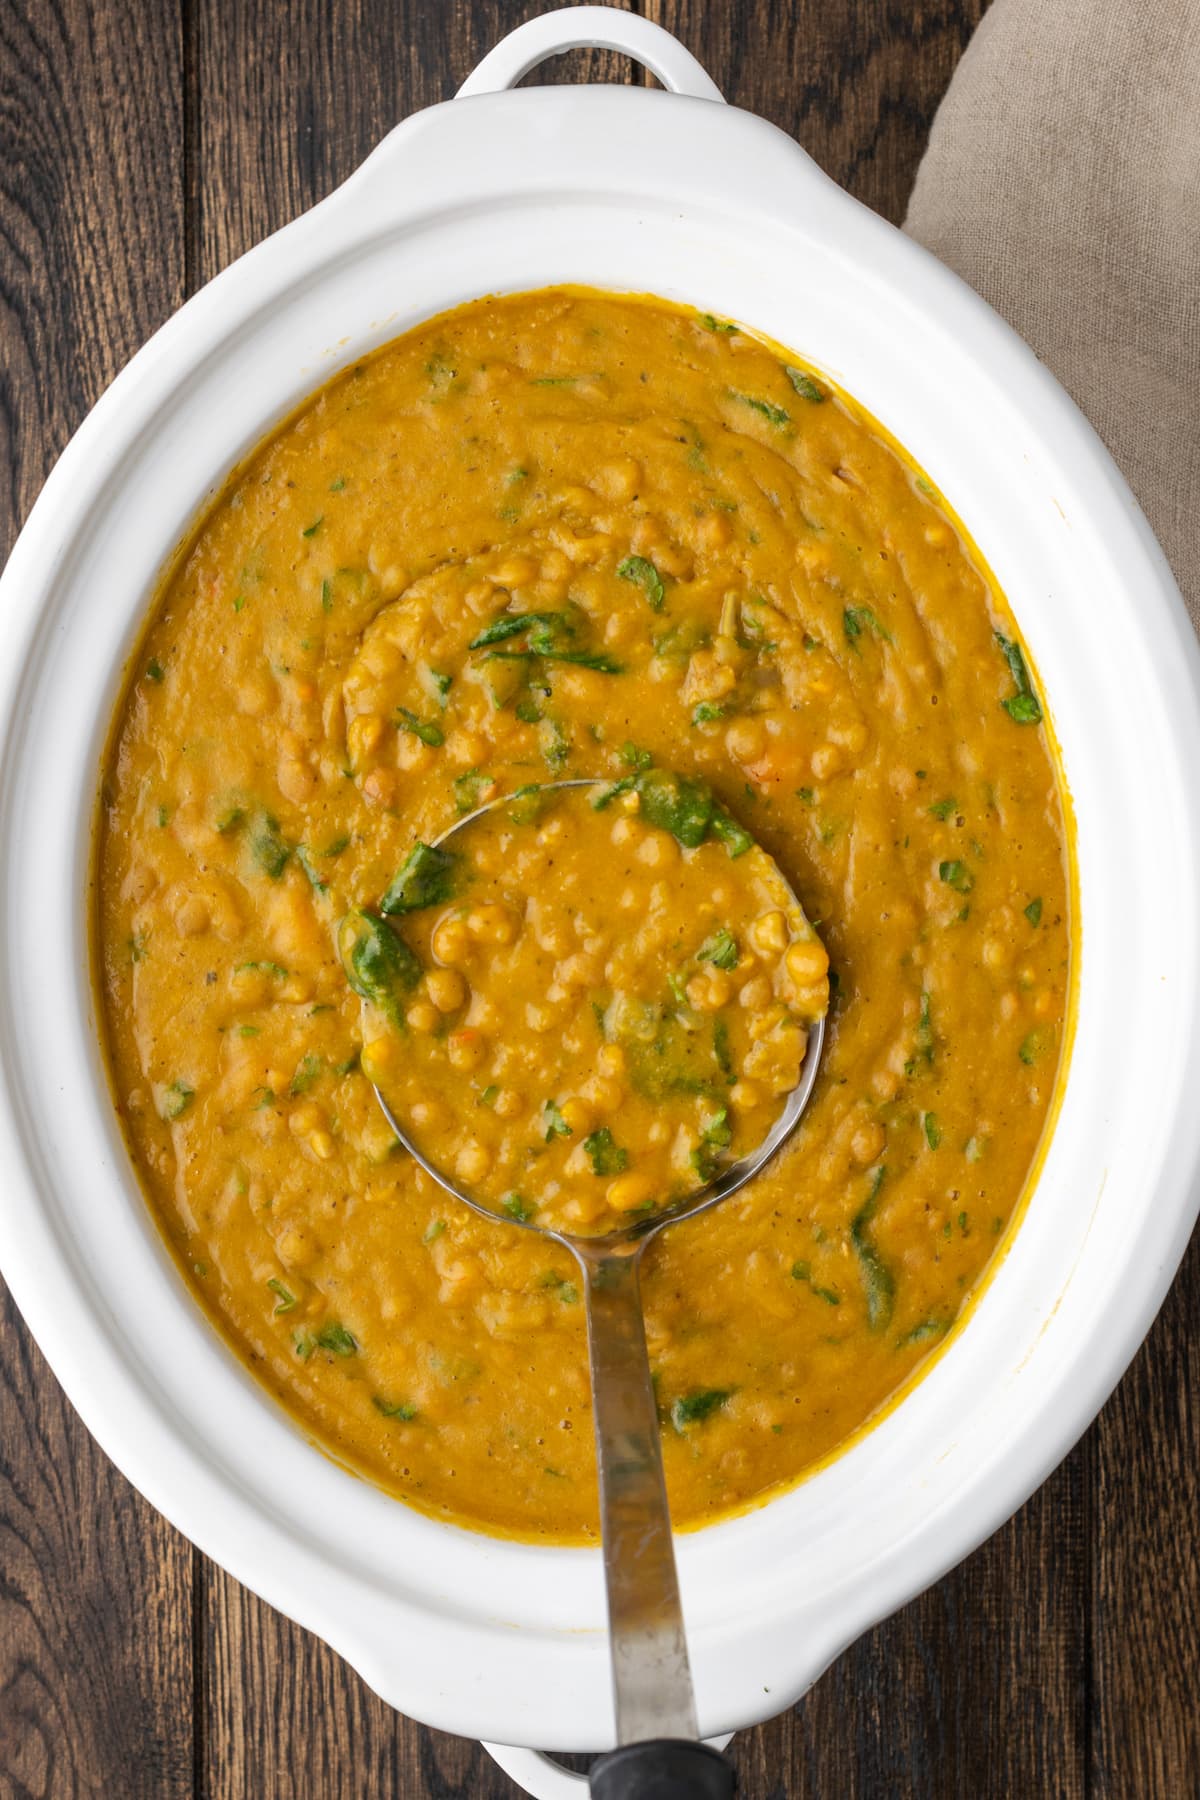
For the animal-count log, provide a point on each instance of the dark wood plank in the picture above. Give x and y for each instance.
(974, 1689)
(95, 1608)
(857, 82)
(286, 102)
(1146, 1563)
(285, 1719)
(95, 1590)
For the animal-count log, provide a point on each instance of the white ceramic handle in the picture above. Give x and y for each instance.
(546, 1780)
(535, 1774)
(591, 28)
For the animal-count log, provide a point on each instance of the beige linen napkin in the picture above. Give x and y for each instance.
(1062, 180)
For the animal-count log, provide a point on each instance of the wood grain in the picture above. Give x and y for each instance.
(1145, 1574)
(95, 1588)
(856, 82)
(142, 147)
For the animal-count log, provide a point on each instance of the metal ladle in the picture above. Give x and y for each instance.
(658, 1750)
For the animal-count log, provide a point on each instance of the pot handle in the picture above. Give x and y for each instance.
(593, 28)
(536, 1774)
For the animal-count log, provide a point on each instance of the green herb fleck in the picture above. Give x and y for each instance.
(285, 1302)
(933, 1131)
(856, 619)
(154, 669)
(269, 850)
(427, 877)
(468, 789)
(308, 1071)
(425, 729)
(517, 1207)
(775, 415)
(312, 530)
(643, 574)
(377, 962)
(716, 1135)
(878, 1281)
(693, 1408)
(1033, 912)
(556, 1125)
(336, 1339)
(1024, 706)
(399, 1409)
(802, 1271)
(956, 875)
(604, 1153)
(922, 1333)
(941, 809)
(804, 384)
(176, 1099)
(720, 949)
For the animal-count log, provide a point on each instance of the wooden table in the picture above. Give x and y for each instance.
(142, 147)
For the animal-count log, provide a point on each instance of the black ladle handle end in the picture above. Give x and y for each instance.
(663, 1769)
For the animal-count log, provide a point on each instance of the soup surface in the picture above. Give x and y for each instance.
(738, 578)
(596, 997)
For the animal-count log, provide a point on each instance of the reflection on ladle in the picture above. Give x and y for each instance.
(705, 1084)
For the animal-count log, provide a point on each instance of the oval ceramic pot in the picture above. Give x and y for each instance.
(674, 193)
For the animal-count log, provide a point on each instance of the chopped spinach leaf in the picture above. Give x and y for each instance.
(556, 1125)
(802, 1271)
(693, 1408)
(270, 851)
(643, 574)
(399, 1409)
(775, 415)
(425, 729)
(469, 789)
(177, 1097)
(720, 949)
(427, 877)
(879, 1284)
(956, 875)
(377, 962)
(336, 1339)
(804, 384)
(1024, 706)
(285, 1302)
(308, 1071)
(856, 619)
(604, 1153)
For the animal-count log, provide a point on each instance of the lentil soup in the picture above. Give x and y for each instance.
(718, 566)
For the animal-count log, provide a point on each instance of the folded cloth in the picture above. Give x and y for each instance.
(1062, 180)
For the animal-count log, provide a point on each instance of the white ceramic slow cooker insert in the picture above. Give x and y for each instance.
(673, 193)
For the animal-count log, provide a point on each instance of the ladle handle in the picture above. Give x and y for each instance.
(652, 1683)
